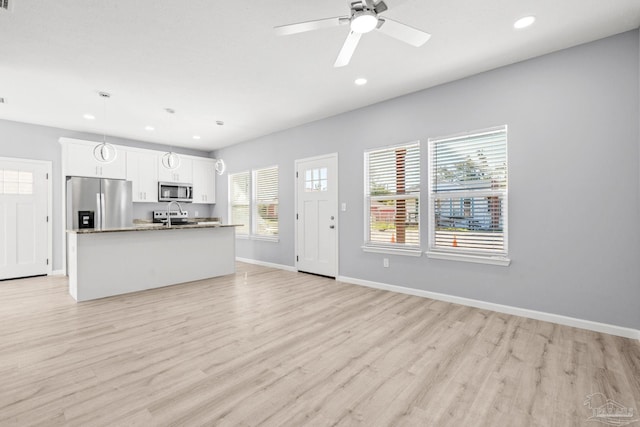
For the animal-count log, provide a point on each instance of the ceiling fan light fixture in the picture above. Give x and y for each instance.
(364, 22)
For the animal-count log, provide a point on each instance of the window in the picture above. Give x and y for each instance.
(266, 202)
(468, 197)
(16, 182)
(315, 180)
(253, 202)
(392, 186)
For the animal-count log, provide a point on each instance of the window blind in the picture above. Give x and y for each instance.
(468, 192)
(393, 196)
(239, 198)
(266, 202)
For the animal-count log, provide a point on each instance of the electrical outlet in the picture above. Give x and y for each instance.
(385, 262)
(343, 207)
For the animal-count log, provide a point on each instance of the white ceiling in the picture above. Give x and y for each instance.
(220, 60)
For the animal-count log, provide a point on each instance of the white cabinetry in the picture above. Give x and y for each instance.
(142, 171)
(183, 173)
(80, 161)
(204, 181)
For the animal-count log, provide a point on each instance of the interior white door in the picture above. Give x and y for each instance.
(24, 237)
(317, 215)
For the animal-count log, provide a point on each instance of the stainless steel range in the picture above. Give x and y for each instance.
(177, 217)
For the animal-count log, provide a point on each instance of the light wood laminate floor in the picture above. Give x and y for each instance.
(269, 347)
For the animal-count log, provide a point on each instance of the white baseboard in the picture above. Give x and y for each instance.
(523, 312)
(57, 273)
(267, 264)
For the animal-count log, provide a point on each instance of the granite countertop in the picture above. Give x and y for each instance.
(150, 226)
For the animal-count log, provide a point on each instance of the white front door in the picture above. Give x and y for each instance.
(317, 215)
(24, 210)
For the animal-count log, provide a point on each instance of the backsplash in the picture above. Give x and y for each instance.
(144, 211)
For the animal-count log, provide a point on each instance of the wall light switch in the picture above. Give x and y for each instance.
(343, 208)
(196, 214)
(385, 262)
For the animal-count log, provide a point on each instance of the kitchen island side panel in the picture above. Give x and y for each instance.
(107, 264)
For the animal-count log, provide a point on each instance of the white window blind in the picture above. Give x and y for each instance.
(468, 193)
(266, 202)
(392, 185)
(239, 201)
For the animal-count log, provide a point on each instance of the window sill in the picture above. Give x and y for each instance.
(479, 259)
(392, 251)
(275, 239)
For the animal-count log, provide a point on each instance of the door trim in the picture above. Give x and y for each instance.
(295, 207)
(48, 164)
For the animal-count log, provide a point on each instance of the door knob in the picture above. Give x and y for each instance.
(332, 217)
(332, 227)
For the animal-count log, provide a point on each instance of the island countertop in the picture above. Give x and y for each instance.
(151, 227)
(103, 263)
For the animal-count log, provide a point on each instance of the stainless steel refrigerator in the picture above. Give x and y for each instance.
(99, 203)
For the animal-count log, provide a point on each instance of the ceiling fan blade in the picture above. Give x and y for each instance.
(301, 27)
(348, 48)
(403, 32)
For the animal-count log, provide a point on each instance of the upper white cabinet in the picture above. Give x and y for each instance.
(204, 181)
(80, 161)
(183, 173)
(142, 171)
(143, 168)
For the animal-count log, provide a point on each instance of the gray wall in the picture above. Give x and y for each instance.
(574, 206)
(35, 142)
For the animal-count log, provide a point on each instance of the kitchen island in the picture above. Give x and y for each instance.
(103, 263)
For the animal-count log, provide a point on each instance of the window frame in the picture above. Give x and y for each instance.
(252, 227)
(391, 248)
(465, 254)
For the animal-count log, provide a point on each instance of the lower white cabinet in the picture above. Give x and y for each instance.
(204, 181)
(142, 171)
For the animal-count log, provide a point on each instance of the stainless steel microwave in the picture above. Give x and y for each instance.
(168, 191)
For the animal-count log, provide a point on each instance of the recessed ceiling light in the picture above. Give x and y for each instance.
(196, 136)
(149, 128)
(361, 81)
(89, 116)
(524, 22)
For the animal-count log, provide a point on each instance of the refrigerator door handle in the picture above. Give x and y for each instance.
(98, 223)
(103, 210)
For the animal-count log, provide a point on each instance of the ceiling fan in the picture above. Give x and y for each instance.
(363, 19)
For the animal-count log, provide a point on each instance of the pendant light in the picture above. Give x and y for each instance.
(170, 160)
(221, 166)
(104, 152)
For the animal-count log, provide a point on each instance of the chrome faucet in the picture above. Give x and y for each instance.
(169, 212)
